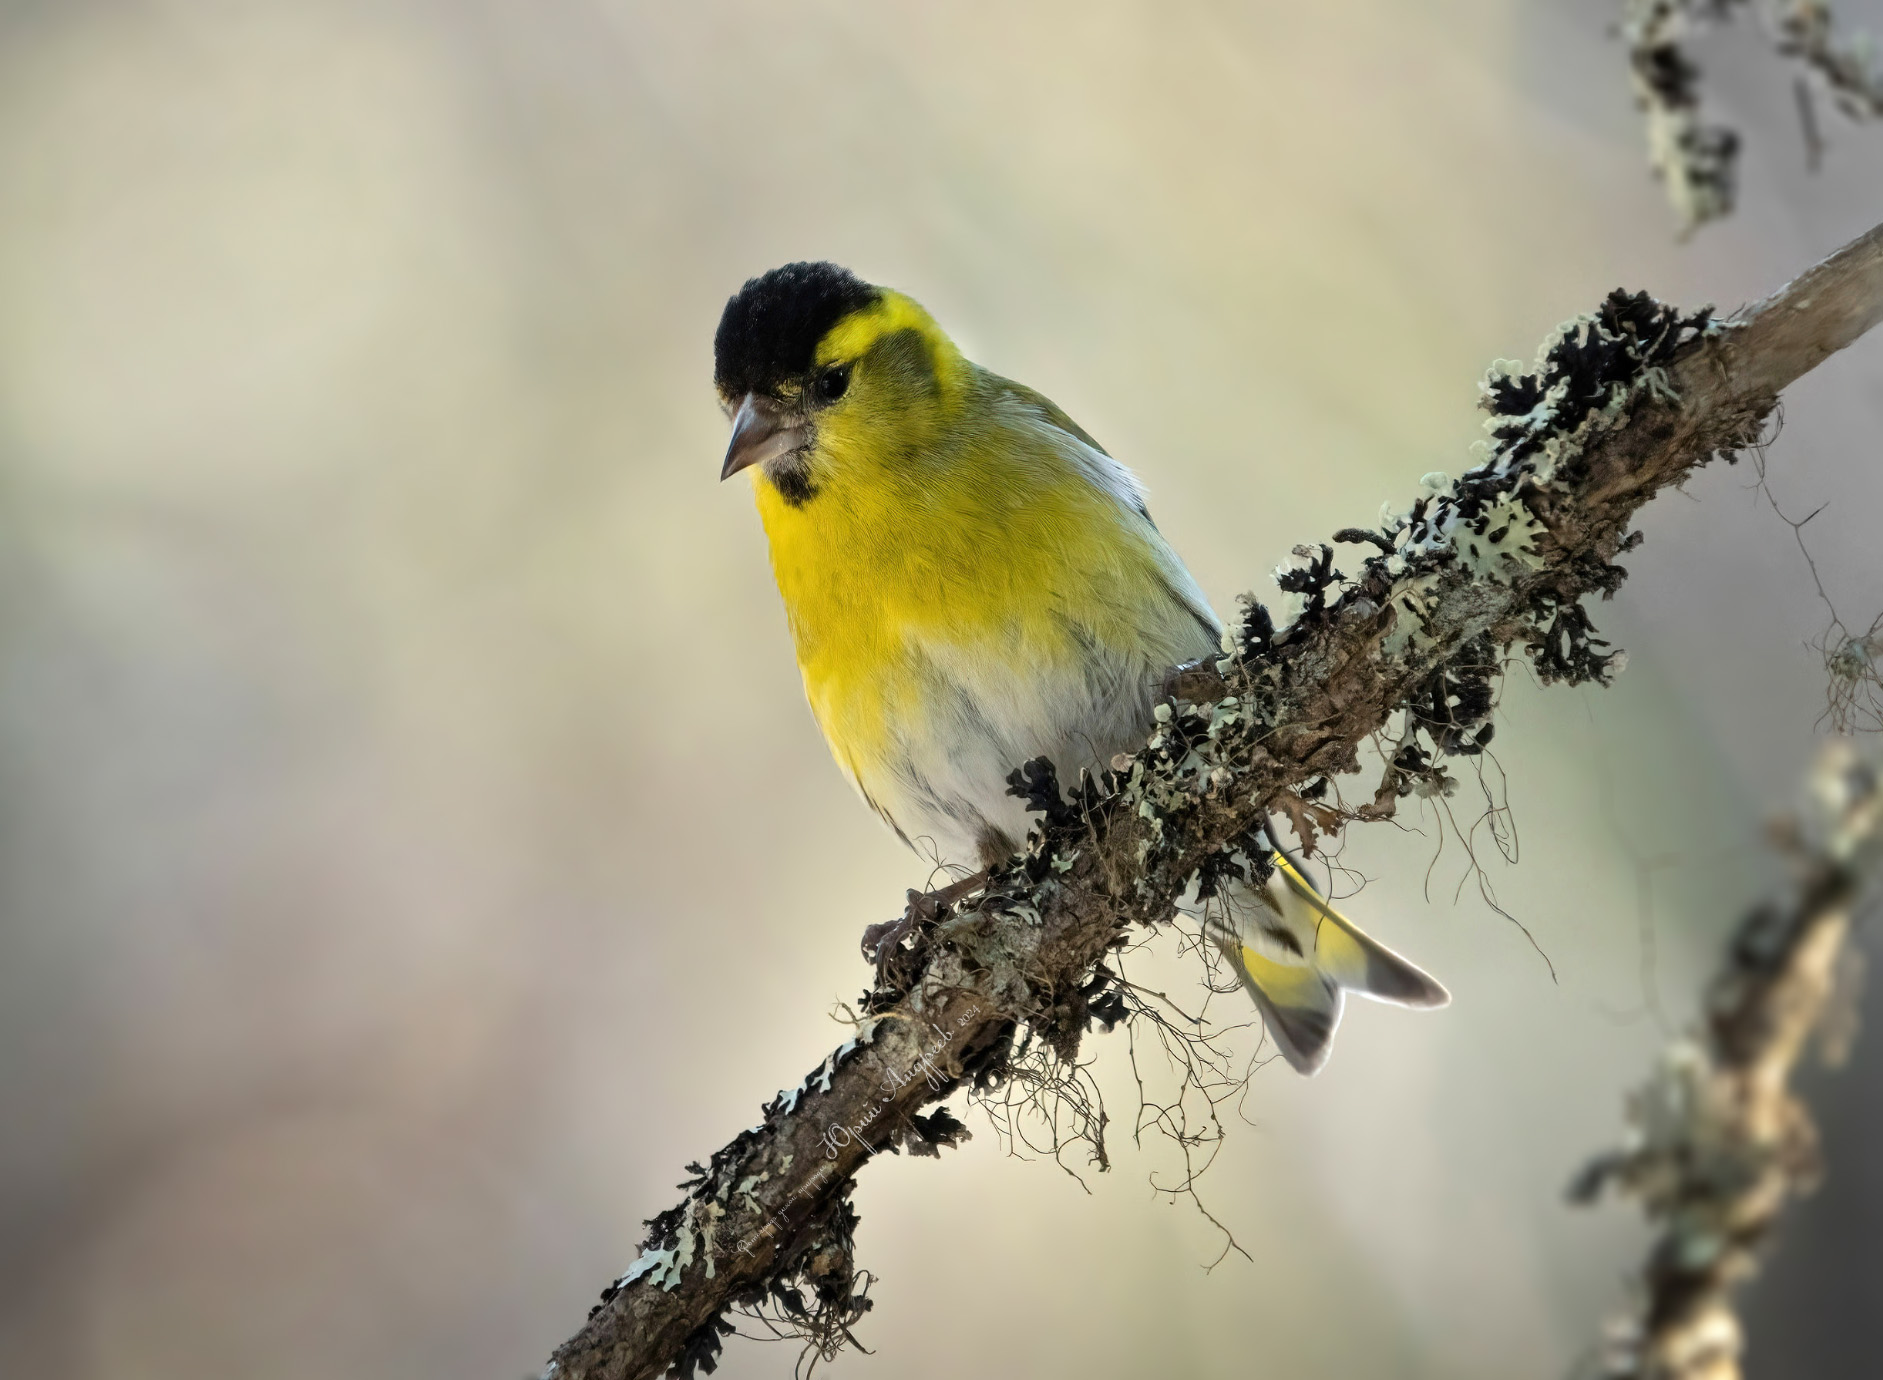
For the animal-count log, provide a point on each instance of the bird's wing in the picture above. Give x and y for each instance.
(1198, 629)
(1048, 409)
(1067, 663)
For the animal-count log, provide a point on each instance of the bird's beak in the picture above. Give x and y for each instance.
(761, 430)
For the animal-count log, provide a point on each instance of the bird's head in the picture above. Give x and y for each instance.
(822, 372)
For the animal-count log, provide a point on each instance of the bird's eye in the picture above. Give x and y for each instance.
(830, 385)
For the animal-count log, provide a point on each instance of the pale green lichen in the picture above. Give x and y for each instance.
(695, 1233)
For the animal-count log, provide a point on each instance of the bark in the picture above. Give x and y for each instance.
(1621, 405)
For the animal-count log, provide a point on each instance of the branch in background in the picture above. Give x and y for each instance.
(999, 986)
(1697, 159)
(1718, 1144)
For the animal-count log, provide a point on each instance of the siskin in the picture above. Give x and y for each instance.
(971, 582)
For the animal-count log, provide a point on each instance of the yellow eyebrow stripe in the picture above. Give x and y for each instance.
(890, 313)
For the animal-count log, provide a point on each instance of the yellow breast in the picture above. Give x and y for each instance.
(992, 551)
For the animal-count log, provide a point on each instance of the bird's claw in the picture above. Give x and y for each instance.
(924, 907)
(881, 940)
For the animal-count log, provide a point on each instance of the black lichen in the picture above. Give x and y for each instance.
(1454, 707)
(1255, 634)
(929, 1135)
(1248, 859)
(1312, 581)
(1365, 536)
(1628, 335)
(700, 1351)
(1037, 783)
(1568, 652)
(1105, 1004)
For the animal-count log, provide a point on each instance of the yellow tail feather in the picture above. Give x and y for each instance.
(1297, 955)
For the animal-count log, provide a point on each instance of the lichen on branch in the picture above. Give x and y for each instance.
(1403, 653)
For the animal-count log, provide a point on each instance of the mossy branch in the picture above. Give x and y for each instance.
(1718, 1143)
(1620, 405)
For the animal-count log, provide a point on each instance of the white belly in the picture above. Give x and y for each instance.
(978, 717)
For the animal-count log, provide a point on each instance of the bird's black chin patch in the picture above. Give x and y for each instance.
(791, 476)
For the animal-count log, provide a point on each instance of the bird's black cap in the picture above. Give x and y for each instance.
(770, 328)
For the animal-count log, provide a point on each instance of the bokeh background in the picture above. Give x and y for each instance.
(413, 843)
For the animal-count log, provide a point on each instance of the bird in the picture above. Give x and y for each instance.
(971, 582)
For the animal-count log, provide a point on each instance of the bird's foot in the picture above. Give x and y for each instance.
(1194, 682)
(882, 940)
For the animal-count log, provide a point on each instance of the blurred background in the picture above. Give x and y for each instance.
(414, 846)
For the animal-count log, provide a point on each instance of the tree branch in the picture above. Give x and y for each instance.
(1619, 405)
(1719, 1144)
(1696, 159)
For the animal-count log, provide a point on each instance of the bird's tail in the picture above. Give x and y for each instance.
(1297, 955)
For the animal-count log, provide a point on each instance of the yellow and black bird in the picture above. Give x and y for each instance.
(972, 581)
